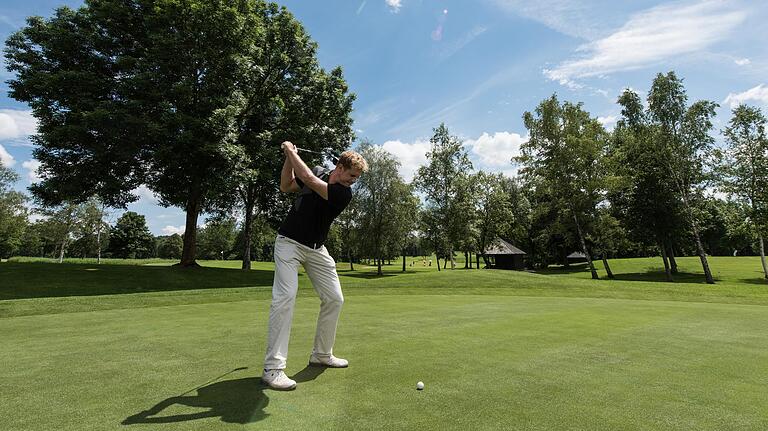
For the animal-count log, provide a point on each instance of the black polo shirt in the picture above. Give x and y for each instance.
(311, 216)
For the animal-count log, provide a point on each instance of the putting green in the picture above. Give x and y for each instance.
(488, 362)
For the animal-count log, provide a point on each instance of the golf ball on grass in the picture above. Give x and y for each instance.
(420, 386)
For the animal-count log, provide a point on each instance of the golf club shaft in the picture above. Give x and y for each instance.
(304, 150)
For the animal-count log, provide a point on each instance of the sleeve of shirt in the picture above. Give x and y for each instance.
(339, 196)
(317, 171)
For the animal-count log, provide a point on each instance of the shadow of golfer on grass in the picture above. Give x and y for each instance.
(308, 373)
(238, 401)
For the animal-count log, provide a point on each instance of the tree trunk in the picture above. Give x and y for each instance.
(671, 257)
(485, 260)
(477, 261)
(403, 260)
(453, 261)
(437, 260)
(63, 245)
(190, 232)
(702, 254)
(445, 263)
(466, 260)
(584, 249)
(607, 267)
(699, 246)
(762, 257)
(98, 238)
(248, 228)
(378, 265)
(351, 264)
(666, 262)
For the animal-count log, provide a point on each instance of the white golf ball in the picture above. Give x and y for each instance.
(420, 385)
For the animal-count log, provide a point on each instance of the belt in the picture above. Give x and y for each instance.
(312, 245)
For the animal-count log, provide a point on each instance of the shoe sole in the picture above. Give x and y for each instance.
(320, 364)
(290, 388)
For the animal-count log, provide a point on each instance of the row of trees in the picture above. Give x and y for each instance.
(193, 98)
(80, 230)
(601, 192)
(645, 183)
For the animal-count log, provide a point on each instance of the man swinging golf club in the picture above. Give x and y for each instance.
(300, 242)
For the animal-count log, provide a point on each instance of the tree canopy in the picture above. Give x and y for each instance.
(170, 94)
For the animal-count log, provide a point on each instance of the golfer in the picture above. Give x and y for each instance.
(300, 242)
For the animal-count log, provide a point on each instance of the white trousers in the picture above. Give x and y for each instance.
(321, 270)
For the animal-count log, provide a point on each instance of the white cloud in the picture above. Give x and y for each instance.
(394, 5)
(410, 155)
(584, 19)
(360, 8)
(608, 121)
(6, 159)
(16, 124)
(496, 151)
(145, 194)
(170, 230)
(742, 61)
(759, 94)
(651, 37)
(32, 166)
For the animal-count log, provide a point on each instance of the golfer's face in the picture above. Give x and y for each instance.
(349, 176)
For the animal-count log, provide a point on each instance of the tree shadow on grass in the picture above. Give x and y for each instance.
(651, 274)
(570, 269)
(238, 401)
(759, 281)
(366, 275)
(40, 280)
(658, 276)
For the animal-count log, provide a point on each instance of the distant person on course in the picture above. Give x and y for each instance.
(322, 197)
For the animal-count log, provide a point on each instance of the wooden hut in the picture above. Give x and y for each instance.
(503, 255)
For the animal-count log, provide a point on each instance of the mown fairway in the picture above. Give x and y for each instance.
(146, 347)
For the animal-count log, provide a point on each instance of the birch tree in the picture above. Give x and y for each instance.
(745, 168)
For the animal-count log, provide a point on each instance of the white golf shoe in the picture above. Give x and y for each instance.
(276, 379)
(329, 361)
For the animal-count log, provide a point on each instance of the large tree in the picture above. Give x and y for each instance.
(172, 94)
(439, 181)
(641, 194)
(682, 134)
(745, 167)
(563, 157)
(493, 211)
(384, 203)
(283, 95)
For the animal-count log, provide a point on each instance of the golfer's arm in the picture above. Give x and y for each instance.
(302, 171)
(287, 180)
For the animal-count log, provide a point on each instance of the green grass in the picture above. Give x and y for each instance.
(102, 347)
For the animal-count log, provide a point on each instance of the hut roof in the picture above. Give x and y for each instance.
(503, 247)
(577, 255)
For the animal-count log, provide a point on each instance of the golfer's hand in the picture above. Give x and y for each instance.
(287, 146)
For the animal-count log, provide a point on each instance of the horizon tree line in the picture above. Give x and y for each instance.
(197, 114)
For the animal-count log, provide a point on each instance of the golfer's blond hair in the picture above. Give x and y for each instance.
(351, 159)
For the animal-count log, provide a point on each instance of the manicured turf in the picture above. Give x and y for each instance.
(136, 347)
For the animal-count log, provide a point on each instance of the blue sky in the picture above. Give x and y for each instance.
(478, 65)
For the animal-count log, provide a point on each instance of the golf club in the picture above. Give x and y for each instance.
(333, 155)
